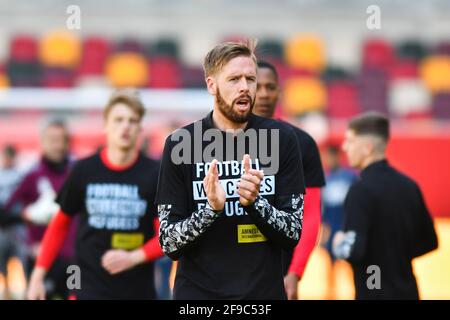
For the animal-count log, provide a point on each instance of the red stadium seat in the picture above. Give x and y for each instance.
(95, 52)
(377, 53)
(404, 69)
(23, 48)
(342, 100)
(164, 73)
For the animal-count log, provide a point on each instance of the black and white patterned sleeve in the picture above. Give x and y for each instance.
(176, 237)
(281, 224)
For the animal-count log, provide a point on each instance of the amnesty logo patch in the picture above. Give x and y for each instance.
(127, 241)
(249, 233)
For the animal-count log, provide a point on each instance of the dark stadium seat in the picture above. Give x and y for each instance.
(411, 50)
(441, 106)
(128, 45)
(24, 74)
(57, 77)
(192, 77)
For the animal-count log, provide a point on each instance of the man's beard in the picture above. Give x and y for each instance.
(229, 112)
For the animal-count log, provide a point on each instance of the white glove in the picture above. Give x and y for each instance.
(44, 208)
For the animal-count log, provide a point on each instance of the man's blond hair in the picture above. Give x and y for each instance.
(129, 97)
(221, 54)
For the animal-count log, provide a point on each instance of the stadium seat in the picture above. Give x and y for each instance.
(441, 106)
(270, 48)
(4, 81)
(435, 72)
(95, 52)
(165, 47)
(24, 74)
(411, 50)
(403, 69)
(192, 77)
(409, 97)
(128, 45)
(23, 48)
(304, 95)
(60, 49)
(127, 70)
(342, 99)
(443, 48)
(372, 89)
(332, 73)
(377, 53)
(57, 77)
(305, 52)
(164, 73)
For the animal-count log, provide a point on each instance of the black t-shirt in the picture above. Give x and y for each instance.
(391, 225)
(312, 170)
(116, 212)
(312, 164)
(233, 259)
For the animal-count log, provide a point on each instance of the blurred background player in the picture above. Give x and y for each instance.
(10, 174)
(267, 94)
(33, 202)
(113, 193)
(12, 244)
(387, 223)
(339, 179)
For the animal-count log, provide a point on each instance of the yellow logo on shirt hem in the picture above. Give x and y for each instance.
(249, 233)
(127, 241)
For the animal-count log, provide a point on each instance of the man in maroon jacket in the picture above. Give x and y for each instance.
(33, 202)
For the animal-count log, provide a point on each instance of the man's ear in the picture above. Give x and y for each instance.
(211, 85)
(369, 147)
(280, 93)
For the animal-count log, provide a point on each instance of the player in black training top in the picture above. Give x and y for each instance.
(386, 222)
(114, 193)
(267, 93)
(230, 191)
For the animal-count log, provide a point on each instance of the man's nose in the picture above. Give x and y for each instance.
(243, 85)
(262, 93)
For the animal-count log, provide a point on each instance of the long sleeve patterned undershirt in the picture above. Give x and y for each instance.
(282, 225)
